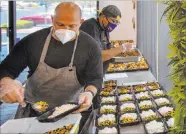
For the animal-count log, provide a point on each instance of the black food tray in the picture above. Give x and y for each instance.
(129, 124)
(166, 116)
(130, 90)
(135, 92)
(116, 126)
(99, 109)
(170, 105)
(121, 103)
(133, 98)
(44, 117)
(99, 100)
(113, 81)
(154, 110)
(145, 109)
(141, 98)
(159, 120)
(114, 93)
(101, 127)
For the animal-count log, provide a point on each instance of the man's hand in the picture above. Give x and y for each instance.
(127, 47)
(85, 100)
(11, 91)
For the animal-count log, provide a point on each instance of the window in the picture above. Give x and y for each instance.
(3, 31)
(33, 16)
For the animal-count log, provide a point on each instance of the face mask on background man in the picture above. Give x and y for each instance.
(110, 27)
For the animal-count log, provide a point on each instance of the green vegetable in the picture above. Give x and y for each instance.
(152, 117)
(107, 123)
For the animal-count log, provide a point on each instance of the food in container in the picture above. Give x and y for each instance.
(108, 130)
(127, 107)
(170, 122)
(62, 109)
(63, 130)
(148, 115)
(106, 100)
(128, 118)
(105, 109)
(162, 101)
(153, 85)
(146, 104)
(108, 89)
(110, 83)
(139, 88)
(166, 111)
(142, 95)
(124, 89)
(40, 106)
(107, 93)
(125, 97)
(129, 53)
(158, 93)
(107, 120)
(131, 66)
(116, 67)
(155, 127)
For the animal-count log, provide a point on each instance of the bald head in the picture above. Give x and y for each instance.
(69, 7)
(67, 16)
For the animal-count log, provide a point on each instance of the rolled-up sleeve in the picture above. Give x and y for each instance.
(15, 62)
(94, 67)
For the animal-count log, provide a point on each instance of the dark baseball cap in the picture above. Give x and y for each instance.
(112, 11)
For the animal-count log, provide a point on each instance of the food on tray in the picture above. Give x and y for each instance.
(128, 118)
(127, 107)
(153, 85)
(145, 104)
(63, 130)
(110, 83)
(162, 101)
(108, 88)
(126, 97)
(107, 100)
(40, 106)
(62, 109)
(105, 109)
(124, 89)
(170, 122)
(142, 95)
(107, 93)
(107, 120)
(157, 93)
(148, 115)
(108, 130)
(166, 111)
(131, 66)
(116, 67)
(142, 64)
(129, 53)
(139, 88)
(154, 127)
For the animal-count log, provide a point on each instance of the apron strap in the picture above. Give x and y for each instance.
(47, 43)
(45, 48)
(73, 54)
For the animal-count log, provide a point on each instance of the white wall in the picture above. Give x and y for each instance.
(125, 30)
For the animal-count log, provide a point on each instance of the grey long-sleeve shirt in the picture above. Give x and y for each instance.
(27, 52)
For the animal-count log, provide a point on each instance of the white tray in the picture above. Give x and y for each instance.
(128, 58)
(31, 125)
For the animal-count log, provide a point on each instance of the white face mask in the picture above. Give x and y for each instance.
(65, 35)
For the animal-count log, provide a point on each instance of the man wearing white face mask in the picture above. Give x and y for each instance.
(60, 62)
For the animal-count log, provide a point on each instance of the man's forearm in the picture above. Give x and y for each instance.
(108, 54)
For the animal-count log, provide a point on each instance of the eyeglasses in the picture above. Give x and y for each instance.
(113, 21)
